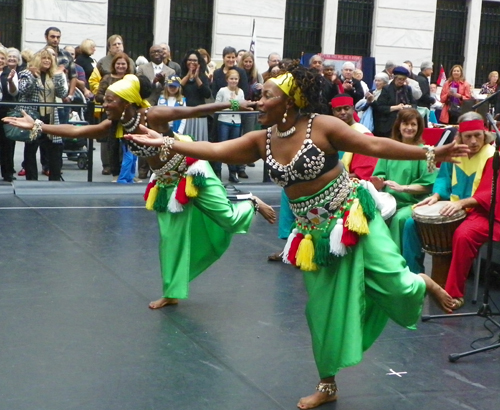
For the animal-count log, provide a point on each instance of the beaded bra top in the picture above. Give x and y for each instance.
(309, 162)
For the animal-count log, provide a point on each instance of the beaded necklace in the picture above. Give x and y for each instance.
(141, 150)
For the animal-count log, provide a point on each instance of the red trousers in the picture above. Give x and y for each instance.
(467, 240)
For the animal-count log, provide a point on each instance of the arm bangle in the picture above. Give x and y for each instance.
(235, 105)
(36, 130)
(168, 142)
(430, 155)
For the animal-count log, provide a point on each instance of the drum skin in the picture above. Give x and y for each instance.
(435, 230)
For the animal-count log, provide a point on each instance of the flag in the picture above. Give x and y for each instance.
(253, 41)
(442, 77)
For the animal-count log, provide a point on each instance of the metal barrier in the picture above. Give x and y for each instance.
(90, 119)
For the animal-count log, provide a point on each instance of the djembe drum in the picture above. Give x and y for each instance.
(436, 233)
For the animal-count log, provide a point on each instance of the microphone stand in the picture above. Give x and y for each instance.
(485, 310)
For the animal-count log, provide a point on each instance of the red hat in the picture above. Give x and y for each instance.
(342, 101)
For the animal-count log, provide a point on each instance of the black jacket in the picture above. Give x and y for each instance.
(357, 89)
(425, 100)
(383, 117)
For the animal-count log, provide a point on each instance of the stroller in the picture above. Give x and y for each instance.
(76, 149)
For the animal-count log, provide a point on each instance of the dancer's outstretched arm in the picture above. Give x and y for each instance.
(248, 148)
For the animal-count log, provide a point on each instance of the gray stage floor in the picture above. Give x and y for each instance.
(78, 266)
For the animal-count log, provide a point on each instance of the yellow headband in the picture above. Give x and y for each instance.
(128, 89)
(286, 83)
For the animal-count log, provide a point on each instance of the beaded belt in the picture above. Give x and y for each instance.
(330, 199)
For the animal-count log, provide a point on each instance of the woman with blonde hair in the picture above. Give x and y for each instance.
(491, 86)
(455, 91)
(43, 81)
(85, 59)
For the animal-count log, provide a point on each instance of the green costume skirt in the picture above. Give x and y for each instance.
(192, 240)
(351, 300)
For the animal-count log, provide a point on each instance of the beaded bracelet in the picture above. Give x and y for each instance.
(235, 105)
(430, 155)
(256, 206)
(168, 142)
(37, 129)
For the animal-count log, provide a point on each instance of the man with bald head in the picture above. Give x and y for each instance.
(156, 70)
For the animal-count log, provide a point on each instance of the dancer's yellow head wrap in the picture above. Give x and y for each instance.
(287, 84)
(128, 89)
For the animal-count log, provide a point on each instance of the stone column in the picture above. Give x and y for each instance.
(162, 21)
(329, 34)
(472, 39)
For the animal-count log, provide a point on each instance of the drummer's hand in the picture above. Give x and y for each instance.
(428, 201)
(377, 182)
(394, 186)
(447, 152)
(147, 137)
(451, 208)
(25, 122)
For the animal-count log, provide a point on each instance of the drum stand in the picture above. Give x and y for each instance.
(485, 310)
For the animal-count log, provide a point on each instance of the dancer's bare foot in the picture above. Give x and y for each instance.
(314, 400)
(265, 210)
(162, 302)
(444, 301)
(326, 392)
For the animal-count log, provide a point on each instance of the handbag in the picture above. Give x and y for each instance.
(454, 109)
(17, 134)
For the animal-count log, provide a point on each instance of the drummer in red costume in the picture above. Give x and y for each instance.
(358, 165)
(473, 232)
(459, 183)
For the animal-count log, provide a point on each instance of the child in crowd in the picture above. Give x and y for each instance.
(172, 97)
(229, 125)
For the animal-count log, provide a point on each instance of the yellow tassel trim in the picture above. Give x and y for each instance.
(305, 254)
(191, 189)
(356, 221)
(153, 193)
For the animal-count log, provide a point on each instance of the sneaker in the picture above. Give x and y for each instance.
(233, 177)
(242, 174)
(114, 179)
(137, 180)
(22, 173)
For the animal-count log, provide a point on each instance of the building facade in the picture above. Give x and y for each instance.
(445, 31)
